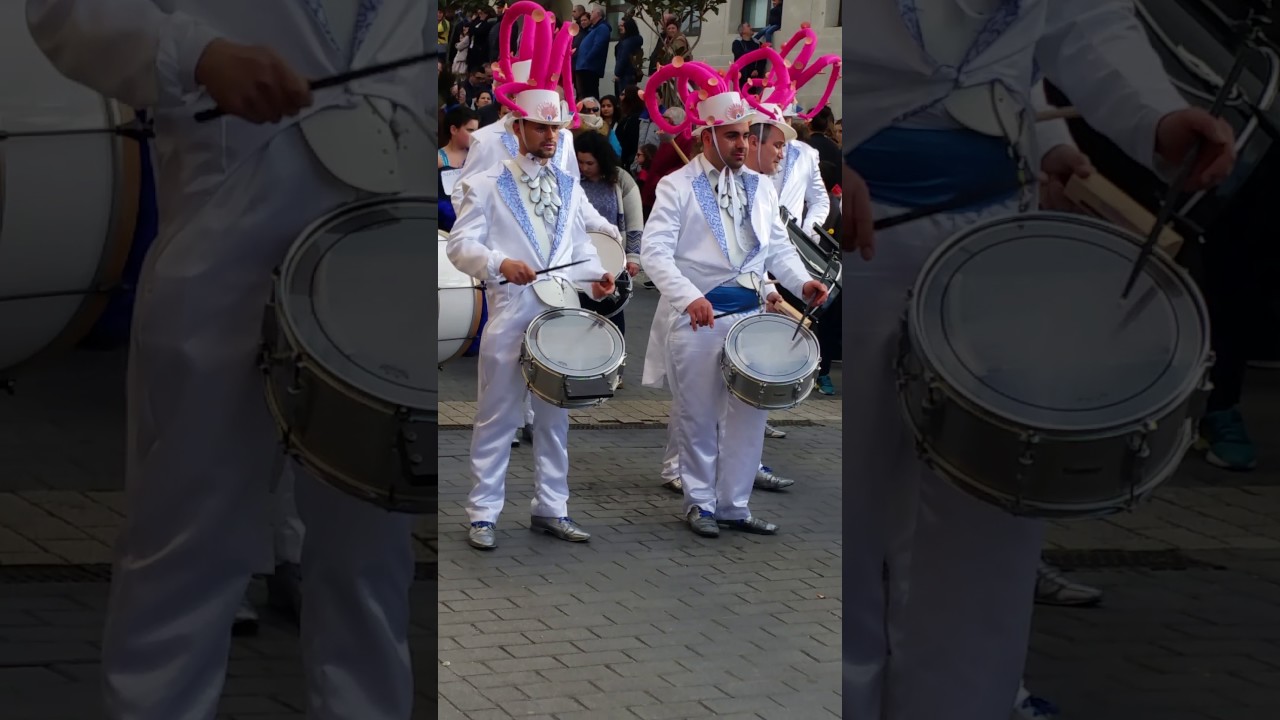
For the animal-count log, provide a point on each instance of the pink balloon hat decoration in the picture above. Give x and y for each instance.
(544, 60)
(710, 98)
(780, 89)
(801, 69)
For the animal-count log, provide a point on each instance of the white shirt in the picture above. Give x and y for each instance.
(1095, 50)
(144, 54)
(733, 229)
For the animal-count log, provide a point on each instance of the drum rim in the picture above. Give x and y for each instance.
(739, 365)
(536, 354)
(284, 308)
(477, 314)
(122, 225)
(928, 352)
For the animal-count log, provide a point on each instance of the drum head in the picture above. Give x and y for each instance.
(352, 291)
(575, 342)
(1023, 317)
(761, 346)
(613, 256)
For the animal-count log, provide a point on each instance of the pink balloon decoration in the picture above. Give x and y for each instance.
(694, 81)
(548, 53)
(778, 78)
(802, 72)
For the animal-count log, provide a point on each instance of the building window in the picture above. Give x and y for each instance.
(755, 13)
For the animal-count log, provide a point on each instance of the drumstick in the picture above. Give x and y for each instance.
(1058, 113)
(341, 79)
(558, 267)
(134, 129)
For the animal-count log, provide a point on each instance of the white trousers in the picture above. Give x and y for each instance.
(719, 438)
(499, 413)
(289, 529)
(202, 449)
(950, 625)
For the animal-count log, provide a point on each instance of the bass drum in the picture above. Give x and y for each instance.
(62, 230)
(459, 314)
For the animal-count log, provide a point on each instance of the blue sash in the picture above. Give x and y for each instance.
(915, 168)
(733, 299)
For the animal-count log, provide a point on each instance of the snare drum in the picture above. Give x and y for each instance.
(764, 367)
(349, 374)
(461, 306)
(68, 204)
(1029, 383)
(572, 358)
(817, 263)
(613, 256)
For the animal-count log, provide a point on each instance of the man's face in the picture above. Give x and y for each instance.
(731, 143)
(766, 156)
(537, 139)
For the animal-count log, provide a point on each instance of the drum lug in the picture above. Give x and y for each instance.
(295, 382)
(412, 447)
(1139, 453)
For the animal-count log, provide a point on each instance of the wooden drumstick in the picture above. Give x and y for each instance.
(1060, 113)
(1101, 198)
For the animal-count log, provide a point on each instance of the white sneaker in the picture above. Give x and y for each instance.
(1054, 588)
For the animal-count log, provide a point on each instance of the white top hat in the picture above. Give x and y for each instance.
(773, 114)
(726, 108)
(540, 106)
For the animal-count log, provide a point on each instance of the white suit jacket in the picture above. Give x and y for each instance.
(682, 254)
(494, 224)
(492, 145)
(1094, 50)
(803, 193)
(144, 54)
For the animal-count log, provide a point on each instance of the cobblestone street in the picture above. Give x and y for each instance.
(1189, 629)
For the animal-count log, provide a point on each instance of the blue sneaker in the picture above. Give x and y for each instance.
(1030, 707)
(1225, 441)
(825, 386)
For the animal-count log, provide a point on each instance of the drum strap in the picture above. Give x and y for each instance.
(733, 299)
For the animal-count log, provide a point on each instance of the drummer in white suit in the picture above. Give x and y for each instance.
(202, 448)
(714, 231)
(494, 144)
(941, 97)
(516, 219)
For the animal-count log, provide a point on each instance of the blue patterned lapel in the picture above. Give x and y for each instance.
(1000, 21)
(510, 193)
(364, 22)
(564, 183)
(706, 198)
(793, 152)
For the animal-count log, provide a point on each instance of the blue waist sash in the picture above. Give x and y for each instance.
(914, 168)
(733, 299)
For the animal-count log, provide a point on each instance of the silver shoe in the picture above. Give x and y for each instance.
(562, 527)
(702, 523)
(773, 432)
(767, 479)
(482, 536)
(753, 525)
(1054, 588)
(515, 440)
(675, 485)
